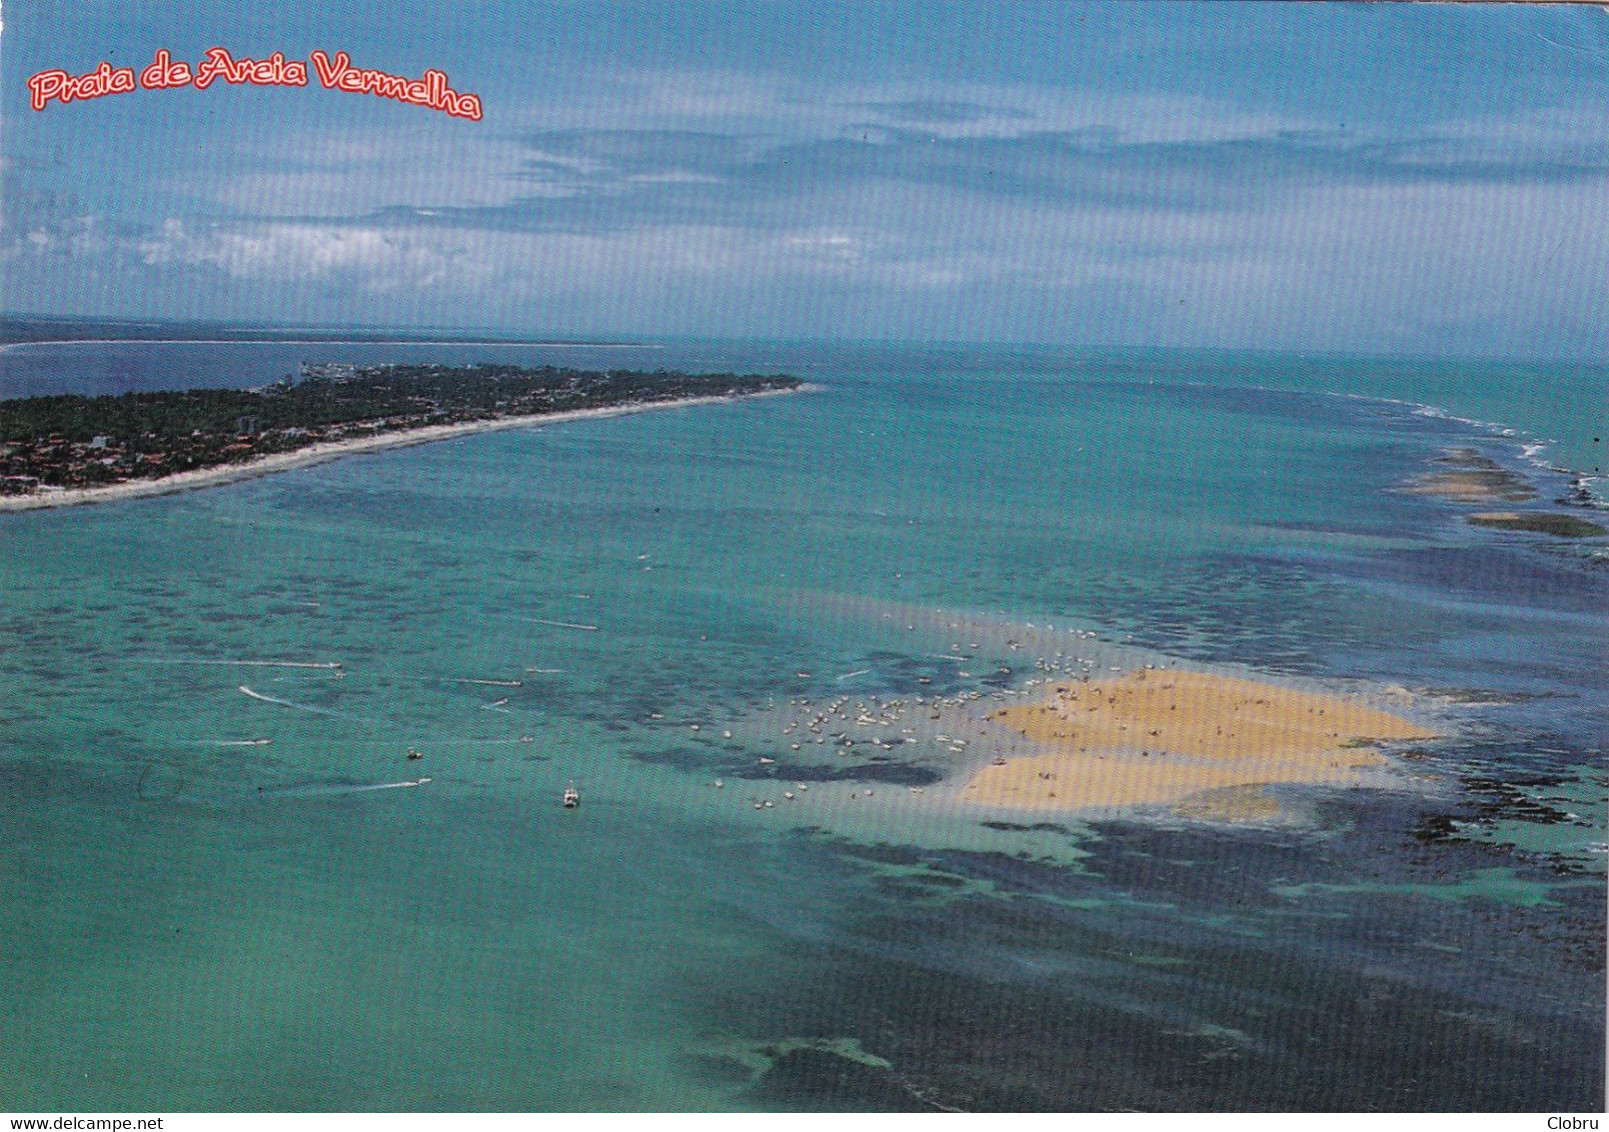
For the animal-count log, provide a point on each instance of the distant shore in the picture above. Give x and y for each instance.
(334, 450)
(323, 342)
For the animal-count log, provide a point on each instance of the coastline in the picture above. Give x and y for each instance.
(7, 346)
(333, 450)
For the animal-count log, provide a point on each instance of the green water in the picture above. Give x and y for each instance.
(195, 924)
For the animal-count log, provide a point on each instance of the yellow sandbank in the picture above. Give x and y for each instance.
(1466, 476)
(1160, 737)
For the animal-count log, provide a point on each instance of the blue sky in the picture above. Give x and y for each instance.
(1415, 178)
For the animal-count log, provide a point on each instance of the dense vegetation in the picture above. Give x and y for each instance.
(73, 440)
(369, 393)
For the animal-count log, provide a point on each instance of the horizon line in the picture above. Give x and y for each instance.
(268, 333)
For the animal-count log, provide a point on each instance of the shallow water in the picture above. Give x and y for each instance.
(201, 925)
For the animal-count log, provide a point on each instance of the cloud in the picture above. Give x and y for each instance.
(378, 260)
(41, 223)
(327, 173)
(940, 112)
(580, 180)
(679, 199)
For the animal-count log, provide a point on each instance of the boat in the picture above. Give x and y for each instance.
(415, 753)
(572, 797)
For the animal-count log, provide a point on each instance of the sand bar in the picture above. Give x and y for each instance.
(1468, 476)
(333, 450)
(1164, 737)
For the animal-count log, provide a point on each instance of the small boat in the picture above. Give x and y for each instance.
(572, 797)
(415, 753)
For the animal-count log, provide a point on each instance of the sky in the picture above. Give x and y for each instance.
(1422, 179)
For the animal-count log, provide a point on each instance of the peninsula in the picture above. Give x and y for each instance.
(67, 449)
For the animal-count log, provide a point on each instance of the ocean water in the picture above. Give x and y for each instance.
(194, 921)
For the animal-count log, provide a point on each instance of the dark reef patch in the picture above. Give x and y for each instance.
(1539, 522)
(1036, 827)
(732, 765)
(1217, 1042)
(812, 1080)
(1138, 1002)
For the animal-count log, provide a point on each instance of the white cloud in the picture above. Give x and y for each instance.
(377, 259)
(874, 249)
(81, 237)
(323, 173)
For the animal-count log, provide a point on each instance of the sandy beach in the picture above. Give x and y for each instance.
(1169, 737)
(334, 450)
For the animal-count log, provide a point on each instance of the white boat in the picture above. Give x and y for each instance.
(572, 797)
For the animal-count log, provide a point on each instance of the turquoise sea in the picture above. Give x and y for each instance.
(196, 921)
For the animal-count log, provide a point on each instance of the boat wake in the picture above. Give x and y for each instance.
(301, 707)
(561, 624)
(325, 790)
(522, 740)
(330, 664)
